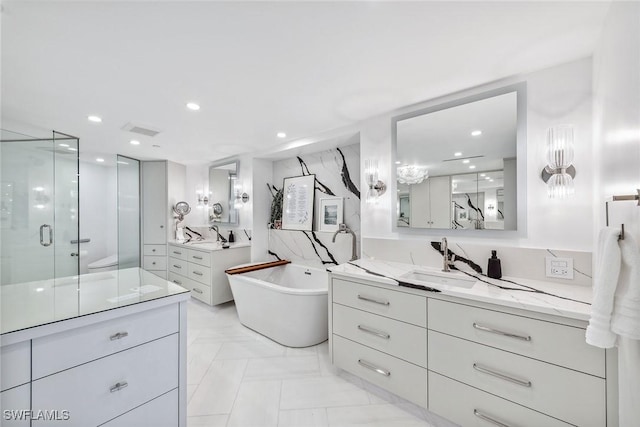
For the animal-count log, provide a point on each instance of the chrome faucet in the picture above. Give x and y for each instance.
(446, 262)
(342, 228)
(218, 235)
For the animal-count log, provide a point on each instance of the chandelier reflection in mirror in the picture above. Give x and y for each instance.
(411, 174)
(559, 172)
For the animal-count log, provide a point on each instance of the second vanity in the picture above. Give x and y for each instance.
(200, 268)
(473, 353)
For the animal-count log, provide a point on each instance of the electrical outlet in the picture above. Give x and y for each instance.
(560, 268)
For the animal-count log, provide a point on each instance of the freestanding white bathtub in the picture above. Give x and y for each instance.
(287, 303)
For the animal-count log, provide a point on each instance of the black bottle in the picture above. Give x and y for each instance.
(232, 238)
(494, 269)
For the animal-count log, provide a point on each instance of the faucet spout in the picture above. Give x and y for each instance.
(219, 237)
(342, 228)
(446, 261)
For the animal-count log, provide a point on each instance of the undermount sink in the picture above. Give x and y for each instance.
(426, 277)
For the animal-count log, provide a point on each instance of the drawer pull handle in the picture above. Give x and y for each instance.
(177, 253)
(196, 257)
(119, 336)
(177, 282)
(488, 419)
(374, 368)
(485, 370)
(118, 386)
(153, 263)
(177, 266)
(375, 332)
(153, 250)
(498, 332)
(197, 273)
(377, 301)
(197, 290)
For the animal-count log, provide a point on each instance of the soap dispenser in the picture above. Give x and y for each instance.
(232, 238)
(494, 269)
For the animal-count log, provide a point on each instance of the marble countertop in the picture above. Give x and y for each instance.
(37, 303)
(570, 301)
(208, 245)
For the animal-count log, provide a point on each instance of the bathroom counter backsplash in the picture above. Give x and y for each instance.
(209, 245)
(570, 300)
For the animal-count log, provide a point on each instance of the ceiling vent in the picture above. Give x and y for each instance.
(142, 130)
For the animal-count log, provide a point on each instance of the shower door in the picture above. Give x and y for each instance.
(38, 207)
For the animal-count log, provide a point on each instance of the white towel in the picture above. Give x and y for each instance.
(626, 306)
(599, 331)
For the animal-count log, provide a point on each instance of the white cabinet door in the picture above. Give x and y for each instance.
(16, 364)
(15, 404)
(440, 196)
(419, 196)
(154, 202)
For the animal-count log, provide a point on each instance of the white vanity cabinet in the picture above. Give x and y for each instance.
(471, 362)
(431, 203)
(202, 271)
(163, 185)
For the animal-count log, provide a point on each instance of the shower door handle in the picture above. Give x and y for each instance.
(42, 242)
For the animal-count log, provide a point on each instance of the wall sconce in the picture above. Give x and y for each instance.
(376, 187)
(202, 200)
(241, 199)
(411, 174)
(559, 172)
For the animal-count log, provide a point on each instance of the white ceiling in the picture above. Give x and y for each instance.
(262, 67)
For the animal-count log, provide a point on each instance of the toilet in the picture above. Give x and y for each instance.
(104, 264)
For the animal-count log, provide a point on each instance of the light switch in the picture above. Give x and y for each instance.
(561, 268)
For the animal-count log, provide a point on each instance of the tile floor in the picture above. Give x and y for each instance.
(238, 378)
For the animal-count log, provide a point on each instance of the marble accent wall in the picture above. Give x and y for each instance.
(337, 175)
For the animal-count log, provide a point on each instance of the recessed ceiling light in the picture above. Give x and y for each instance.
(281, 135)
(193, 106)
(134, 142)
(63, 145)
(38, 188)
(486, 177)
(472, 167)
(476, 133)
(466, 161)
(398, 163)
(490, 180)
(94, 119)
(457, 154)
(99, 159)
(482, 174)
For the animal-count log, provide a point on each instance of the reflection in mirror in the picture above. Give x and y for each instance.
(456, 165)
(222, 181)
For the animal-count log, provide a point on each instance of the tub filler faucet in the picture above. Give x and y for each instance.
(342, 228)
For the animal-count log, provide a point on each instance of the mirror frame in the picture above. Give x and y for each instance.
(216, 165)
(455, 100)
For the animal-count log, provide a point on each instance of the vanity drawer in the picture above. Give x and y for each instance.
(177, 252)
(155, 263)
(99, 391)
(179, 266)
(571, 396)
(15, 399)
(200, 274)
(16, 364)
(198, 257)
(179, 279)
(385, 302)
(474, 408)
(159, 250)
(200, 292)
(402, 378)
(408, 342)
(558, 344)
(64, 350)
(160, 412)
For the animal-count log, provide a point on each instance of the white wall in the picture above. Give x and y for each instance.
(556, 95)
(616, 87)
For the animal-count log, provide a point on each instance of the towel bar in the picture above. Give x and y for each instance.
(624, 197)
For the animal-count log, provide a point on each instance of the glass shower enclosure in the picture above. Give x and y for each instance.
(38, 207)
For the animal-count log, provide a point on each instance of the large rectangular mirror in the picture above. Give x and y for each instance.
(457, 163)
(222, 194)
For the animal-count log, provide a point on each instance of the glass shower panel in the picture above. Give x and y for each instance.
(128, 212)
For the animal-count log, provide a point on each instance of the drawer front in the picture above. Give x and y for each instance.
(177, 252)
(67, 349)
(179, 279)
(385, 302)
(16, 364)
(160, 412)
(562, 393)
(179, 266)
(198, 257)
(390, 336)
(158, 250)
(99, 391)
(404, 379)
(470, 407)
(200, 292)
(155, 263)
(553, 343)
(17, 399)
(200, 273)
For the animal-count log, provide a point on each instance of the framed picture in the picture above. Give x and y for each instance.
(297, 202)
(331, 212)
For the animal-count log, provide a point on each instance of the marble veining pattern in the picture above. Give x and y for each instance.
(337, 172)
